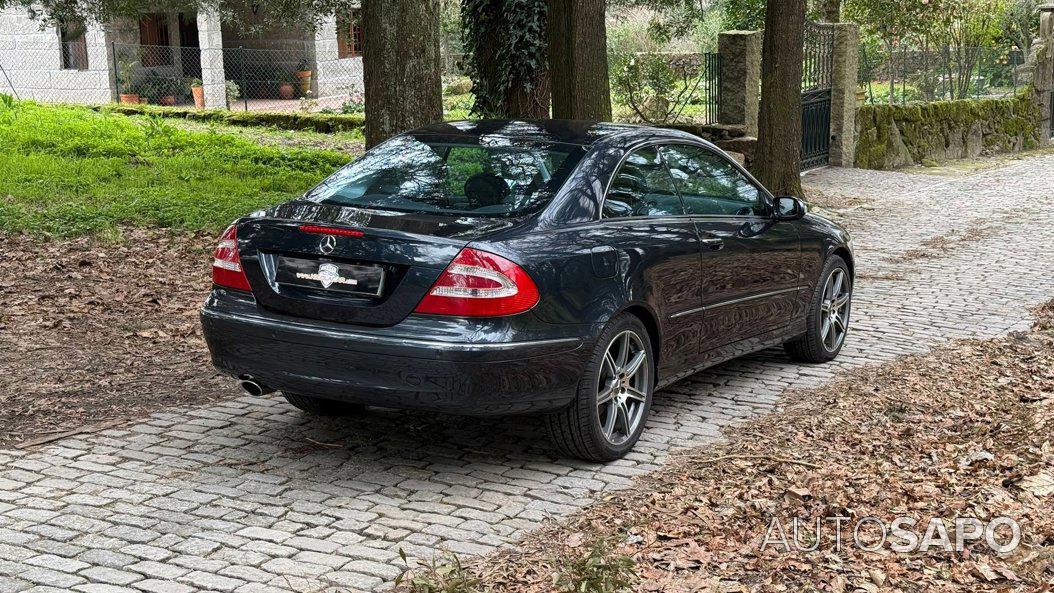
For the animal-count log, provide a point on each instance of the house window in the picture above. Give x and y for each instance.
(74, 46)
(349, 35)
(154, 47)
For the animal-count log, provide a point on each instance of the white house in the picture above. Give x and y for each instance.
(158, 56)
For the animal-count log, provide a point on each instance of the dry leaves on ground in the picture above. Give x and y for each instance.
(961, 432)
(97, 331)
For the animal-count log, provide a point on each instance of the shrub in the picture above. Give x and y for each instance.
(319, 122)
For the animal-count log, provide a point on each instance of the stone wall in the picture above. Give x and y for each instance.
(336, 77)
(31, 58)
(892, 136)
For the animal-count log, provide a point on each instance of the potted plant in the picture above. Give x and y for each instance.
(125, 72)
(286, 90)
(167, 89)
(303, 74)
(198, 90)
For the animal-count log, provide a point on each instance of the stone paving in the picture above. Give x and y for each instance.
(252, 496)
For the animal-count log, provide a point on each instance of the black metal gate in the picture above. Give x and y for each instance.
(817, 73)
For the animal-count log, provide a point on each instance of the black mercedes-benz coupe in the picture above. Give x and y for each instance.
(507, 267)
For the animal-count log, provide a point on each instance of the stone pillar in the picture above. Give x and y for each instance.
(213, 78)
(740, 79)
(327, 68)
(843, 93)
(1043, 79)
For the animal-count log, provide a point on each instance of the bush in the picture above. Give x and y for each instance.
(458, 85)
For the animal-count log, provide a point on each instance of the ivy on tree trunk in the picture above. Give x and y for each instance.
(578, 61)
(777, 162)
(506, 43)
(401, 66)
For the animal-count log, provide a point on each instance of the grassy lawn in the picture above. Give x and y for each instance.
(351, 143)
(67, 171)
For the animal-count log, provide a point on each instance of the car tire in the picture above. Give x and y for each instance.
(318, 406)
(586, 429)
(816, 345)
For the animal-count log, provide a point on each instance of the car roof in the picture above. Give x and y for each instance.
(565, 131)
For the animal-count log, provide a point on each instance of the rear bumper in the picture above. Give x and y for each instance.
(396, 368)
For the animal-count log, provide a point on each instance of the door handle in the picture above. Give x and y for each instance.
(713, 244)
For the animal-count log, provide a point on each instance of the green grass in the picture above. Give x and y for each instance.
(68, 171)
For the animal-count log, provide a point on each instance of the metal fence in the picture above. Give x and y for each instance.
(667, 88)
(291, 78)
(818, 57)
(156, 74)
(947, 73)
(285, 79)
(53, 72)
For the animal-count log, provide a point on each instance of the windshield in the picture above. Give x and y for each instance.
(495, 176)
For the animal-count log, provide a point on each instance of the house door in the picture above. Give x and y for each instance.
(189, 46)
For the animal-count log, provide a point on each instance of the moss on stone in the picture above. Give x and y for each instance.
(935, 132)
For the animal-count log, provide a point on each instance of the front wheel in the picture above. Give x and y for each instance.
(827, 322)
(614, 396)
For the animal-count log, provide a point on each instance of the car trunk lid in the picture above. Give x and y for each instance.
(310, 260)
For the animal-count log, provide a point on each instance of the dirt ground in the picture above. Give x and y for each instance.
(965, 431)
(95, 331)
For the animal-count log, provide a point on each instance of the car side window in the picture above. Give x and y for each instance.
(710, 185)
(642, 187)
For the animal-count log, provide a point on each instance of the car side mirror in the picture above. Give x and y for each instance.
(789, 208)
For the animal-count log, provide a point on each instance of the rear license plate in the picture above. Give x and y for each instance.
(357, 279)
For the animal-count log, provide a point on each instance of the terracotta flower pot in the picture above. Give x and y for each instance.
(129, 98)
(167, 100)
(199, 96)
(286, 91)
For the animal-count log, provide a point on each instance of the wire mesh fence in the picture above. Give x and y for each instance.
(156, 74)
(291, 79)
(667, 88)
(52, 71)
(907, 75)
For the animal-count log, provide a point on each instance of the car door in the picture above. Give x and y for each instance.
(658, 248)
(750, 263)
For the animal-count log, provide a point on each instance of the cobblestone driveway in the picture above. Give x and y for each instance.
(251, 496)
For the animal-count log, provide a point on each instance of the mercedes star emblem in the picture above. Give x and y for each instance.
(328, 244)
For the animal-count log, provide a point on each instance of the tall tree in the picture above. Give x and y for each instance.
(578, 61)
(777, 162)
(507, 44)
(401, 66)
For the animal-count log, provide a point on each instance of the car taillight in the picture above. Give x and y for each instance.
(227, 266)
(480, 284)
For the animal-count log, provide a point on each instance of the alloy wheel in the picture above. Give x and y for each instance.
(834, 310)
(622, 387)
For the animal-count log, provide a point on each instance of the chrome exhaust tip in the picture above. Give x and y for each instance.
(254, 388)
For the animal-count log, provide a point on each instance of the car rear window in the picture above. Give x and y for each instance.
(492, 176)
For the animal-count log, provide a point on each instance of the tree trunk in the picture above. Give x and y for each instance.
(778, 160)
(401, 66)
(832, 11)
(507, 83)
(578, 60)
